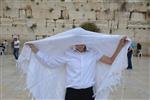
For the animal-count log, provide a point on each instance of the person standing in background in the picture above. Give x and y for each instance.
(129, 55)
(133, 46)
(5, 43)
(2, 48)
(139, 50)
(16, 45)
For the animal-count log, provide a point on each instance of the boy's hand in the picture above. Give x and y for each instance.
(33, 47)
(123, 41)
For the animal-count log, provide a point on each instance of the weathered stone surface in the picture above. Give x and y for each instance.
(53, 16)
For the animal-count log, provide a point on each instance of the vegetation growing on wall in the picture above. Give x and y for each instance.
(90, 27)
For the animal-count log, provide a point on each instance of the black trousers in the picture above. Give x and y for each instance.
(16, 53)
(129, 55)
(79, 94)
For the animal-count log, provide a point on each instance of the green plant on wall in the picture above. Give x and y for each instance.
(107, 11)
(92, 9)
(90, 27)
(62, 0)
(148, 13)
(77, 9)
(123, 6)
(51, 10)
(7, 8)
(29, 17)
(33, 26)
(32, 0)
(148, 4)
(37, 3)
(63, 25)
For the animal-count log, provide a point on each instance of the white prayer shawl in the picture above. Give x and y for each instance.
(49, 83)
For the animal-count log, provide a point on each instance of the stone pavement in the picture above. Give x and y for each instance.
(136, 84)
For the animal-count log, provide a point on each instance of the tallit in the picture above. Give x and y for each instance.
(49, 84)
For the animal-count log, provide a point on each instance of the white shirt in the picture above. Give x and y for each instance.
(5, 44)
(80, 66)
(16, 44)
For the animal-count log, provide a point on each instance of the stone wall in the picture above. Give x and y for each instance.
(34, 19)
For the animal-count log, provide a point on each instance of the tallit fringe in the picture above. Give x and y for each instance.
(110, 83)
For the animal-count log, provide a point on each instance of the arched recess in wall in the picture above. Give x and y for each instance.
(64, 13)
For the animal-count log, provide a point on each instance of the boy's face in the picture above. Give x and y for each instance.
(80, 47)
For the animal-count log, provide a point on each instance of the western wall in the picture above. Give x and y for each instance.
(36, 19)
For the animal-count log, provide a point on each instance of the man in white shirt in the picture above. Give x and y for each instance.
(80, 67)
(16, 45)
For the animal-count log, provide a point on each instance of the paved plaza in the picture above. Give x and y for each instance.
(136, 84)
